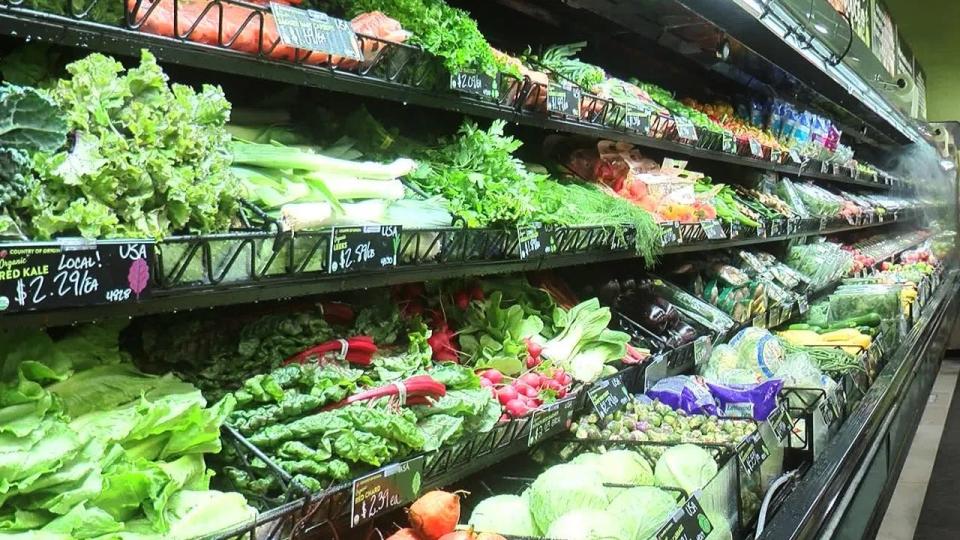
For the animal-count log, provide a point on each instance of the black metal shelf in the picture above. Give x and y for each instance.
(19, 22)
(255, 267)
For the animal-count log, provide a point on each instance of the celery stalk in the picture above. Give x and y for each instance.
(282, 157)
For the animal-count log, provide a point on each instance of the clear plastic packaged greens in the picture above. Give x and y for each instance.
(788, 192)
(850, 301)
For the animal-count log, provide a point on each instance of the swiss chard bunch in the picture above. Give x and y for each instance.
(148, 158)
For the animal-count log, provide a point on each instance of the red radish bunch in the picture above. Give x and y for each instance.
(533, 353)
(443, 343)
(523, 394)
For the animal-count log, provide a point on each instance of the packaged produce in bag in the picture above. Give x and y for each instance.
(755, 401)
(684, 393)
(856, 300)
(760, 350)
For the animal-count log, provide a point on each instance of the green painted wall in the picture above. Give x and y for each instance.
(932, 29)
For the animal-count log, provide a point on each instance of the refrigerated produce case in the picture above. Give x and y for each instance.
(306, 344)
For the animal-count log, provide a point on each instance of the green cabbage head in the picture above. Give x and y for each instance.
(643, 510)
(588, 525)
(504, 514)
(685, 466)
(563, 488)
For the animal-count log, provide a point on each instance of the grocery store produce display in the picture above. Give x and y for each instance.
(247, 307)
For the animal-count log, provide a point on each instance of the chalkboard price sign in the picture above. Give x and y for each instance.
(385, 489)
(315, 31)
(533, 241)
(712, 229)
(479, 84)
(563, 100)
(637, 120)
(608, 396)
(689, 522)
(363, 248)
(780, 421)
(548, 420)
(752, 452)
(670, 233)
(70, 273)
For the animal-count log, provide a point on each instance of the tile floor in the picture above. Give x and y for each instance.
(904, 508)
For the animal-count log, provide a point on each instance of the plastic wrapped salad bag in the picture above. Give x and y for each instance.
(759, 350)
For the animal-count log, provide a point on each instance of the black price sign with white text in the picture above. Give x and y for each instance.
(548, 420)
(689, 522)
(608, 396)
(752, 452)
(564, 100)
(670, 233)
(533, 241)
(780, 420)
(479, 84)
(51, 275)
(363, 248)
(385, 489)
(713, 229)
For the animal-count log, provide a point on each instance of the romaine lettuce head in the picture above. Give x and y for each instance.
(504, 514)
(643, 510)
(685, 466)
(588, 525)
(563, 488)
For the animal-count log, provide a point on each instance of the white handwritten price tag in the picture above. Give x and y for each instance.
(69, 273)
(756, 149)
(729, 143)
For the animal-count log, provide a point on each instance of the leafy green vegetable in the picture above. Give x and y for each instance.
(445, 31)
(561, 59)
(149, 158)
(97, 447)
(643, 510)
(504, 514)
(477, 172)
(563, 488)
(585, 344)
(685, 466)
(30, 122)
(492, 336)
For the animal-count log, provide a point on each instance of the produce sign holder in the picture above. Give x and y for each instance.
(691, 233)
(804, 405)
(710, 140)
